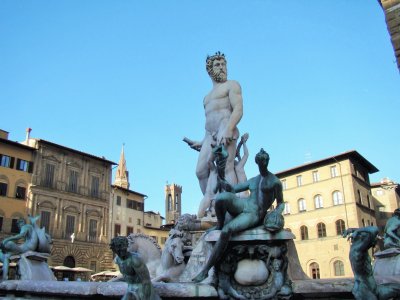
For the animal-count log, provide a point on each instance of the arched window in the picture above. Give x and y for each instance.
(321, 230)
(302, 205)
(337, 198)
(314, 271)
(340, 227)
(286, 211)
(169, 202)
(304, 232)
(318, 201)
(338, 268)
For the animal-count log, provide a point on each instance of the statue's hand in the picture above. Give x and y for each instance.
(193, 144)
(348, 232)
(226, 138)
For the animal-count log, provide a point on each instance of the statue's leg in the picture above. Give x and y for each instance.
(209, 194)
(239, 223)
(6, 263)
(202, 169)
(230, 174)
(225, 202)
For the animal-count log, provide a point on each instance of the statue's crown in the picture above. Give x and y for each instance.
(217, 55)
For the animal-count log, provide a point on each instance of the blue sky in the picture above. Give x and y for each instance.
(318, 78)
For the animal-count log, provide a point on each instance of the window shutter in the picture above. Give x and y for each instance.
(30, 167)
(12, 162)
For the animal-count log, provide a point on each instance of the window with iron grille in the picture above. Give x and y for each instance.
(45, 220)
(117, 230)
(92, 230)
(49, 175)
(94, 190)
(73, 181)
(69, 226)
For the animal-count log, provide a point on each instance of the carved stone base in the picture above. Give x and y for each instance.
(254, 265)
(33, 266)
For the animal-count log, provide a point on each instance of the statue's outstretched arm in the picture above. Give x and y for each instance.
(241, 187)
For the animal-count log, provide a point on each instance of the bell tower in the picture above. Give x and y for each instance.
(173, 196)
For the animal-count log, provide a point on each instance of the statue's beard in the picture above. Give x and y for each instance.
(219, 77)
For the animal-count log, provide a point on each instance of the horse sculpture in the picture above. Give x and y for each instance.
(172, 258)
(148, 249)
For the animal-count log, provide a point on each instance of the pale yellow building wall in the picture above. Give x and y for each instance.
(152, 220)
(158, 234)
(12, 207)
(325, 251)
(124, 216)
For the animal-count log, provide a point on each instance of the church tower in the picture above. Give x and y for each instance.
(173, 198)
(122, 175)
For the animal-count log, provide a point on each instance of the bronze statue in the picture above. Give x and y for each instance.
(392, 231)
(134, 271)
(35, 240)
(365, 286)
(246, 212)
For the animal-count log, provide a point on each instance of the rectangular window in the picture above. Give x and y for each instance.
(92, 230)
(163, 240)
(333, 171)
(94, 191)
(93, 266)
(119, 200)
(49, 175)
(315, 176)
(45, 220)
(117, 230)
(286, 210)
(129, 230)
(1, 223)
(3, 189)
(5, 161)
(20, 193)
(138, 222)
(131, 204)
(22, 165)
(154, 238)
(14, 226)
(69, 226)
(73, 181)
(299, 180)
(140, 206)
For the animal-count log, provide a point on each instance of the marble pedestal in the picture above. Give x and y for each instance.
(246, 270)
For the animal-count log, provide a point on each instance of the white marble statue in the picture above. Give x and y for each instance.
(223, 107)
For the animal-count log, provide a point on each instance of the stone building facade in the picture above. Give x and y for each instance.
(386, 195)
(127, 213)
(322, 199)
(173, 197)
(71, 193)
